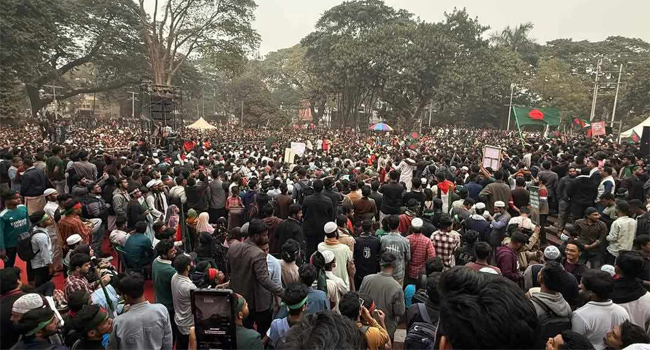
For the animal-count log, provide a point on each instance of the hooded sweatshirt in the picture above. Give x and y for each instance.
(507, 262)
(554, 302)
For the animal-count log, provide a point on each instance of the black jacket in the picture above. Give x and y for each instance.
(290, 229)
(583, 191)
(317, 211)
(564, 186)
(198, 197)
(335, 197)
(33, 183)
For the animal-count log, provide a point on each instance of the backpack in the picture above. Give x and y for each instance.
(303, 191)
(421, 335)
(550, 324)
(24, 249)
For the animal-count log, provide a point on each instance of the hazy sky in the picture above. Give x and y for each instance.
(282, 23)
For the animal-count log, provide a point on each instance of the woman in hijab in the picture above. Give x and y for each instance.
(203, 223)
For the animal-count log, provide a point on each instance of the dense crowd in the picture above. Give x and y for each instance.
(355, 237)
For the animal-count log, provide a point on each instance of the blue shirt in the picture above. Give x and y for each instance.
(316, 301)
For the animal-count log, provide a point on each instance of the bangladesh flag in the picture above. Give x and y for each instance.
(536, 116)
(412, 140)
(583, 123)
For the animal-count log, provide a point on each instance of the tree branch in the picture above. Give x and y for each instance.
(76, 92)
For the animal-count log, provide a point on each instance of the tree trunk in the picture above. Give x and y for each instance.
(34, 99)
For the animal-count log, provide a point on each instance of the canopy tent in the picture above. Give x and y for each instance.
(637, 129)
(201, 124)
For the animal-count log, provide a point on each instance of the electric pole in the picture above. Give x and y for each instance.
(132, 104)
(618, 83)
(595, 95)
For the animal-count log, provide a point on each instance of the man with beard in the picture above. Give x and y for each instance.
(121, 198)
(37, 326)
(94, 325)
(564, 203)
(162, 272)
(134, 210)
(248, 262)
(156, 199)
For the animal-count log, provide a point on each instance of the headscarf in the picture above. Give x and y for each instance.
(203, 223)
(171, 218)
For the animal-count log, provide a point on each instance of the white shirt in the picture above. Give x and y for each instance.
(621, 235)
(639, 311)
(522, 222)
(275, 269)
(595, 319)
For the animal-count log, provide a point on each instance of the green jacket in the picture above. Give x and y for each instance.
(162, 272)
(248, 339)
(12, 224)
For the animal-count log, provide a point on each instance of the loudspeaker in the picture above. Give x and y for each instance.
(645, 142)
(162, 109)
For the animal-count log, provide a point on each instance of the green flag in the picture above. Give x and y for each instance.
(536, 116)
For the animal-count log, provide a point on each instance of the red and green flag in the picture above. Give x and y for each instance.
(536, 116)
(581, 122)
(412, 140)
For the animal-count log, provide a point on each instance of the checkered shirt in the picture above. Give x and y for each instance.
(445, 244)
(421, 251)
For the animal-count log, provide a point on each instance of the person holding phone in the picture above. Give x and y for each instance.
(182, 286)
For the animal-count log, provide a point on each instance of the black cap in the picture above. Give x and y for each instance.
(519, 237)
(387, 259)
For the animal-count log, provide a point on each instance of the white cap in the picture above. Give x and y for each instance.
(609, 269)
(551, 252)
(328, 255)
(480, 205)
(330, 227)
(74, 239)
(499, 204)
(27, 302)
(417, 223)
(152, 183)
(49, 191)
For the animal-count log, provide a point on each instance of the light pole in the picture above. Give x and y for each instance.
(54, 87)
(132, 104)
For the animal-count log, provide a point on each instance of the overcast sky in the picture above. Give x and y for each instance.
(282, 23)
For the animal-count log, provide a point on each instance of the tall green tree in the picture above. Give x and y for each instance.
(345, 53)
(43, 41)
(179, 30)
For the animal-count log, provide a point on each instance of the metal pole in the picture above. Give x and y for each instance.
(618, 83)
(132, 104)
(595, 95)
(512, 92)
(430, 112)
(203, 103)
(241, 122)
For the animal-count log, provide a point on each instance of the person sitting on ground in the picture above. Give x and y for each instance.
(375, 331)
(119, 235)
(626, 334)
(295, 298)
(138, 248)
(79, 266)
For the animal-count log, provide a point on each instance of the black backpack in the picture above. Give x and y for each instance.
(303, 191)
(550, 324)
(421, 335)
(24, 249)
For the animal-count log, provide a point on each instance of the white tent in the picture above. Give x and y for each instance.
(201, 124)
(638, 129)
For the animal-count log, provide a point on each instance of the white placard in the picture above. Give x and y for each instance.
(298, 148)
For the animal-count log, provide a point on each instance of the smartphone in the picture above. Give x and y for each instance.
(214, 318)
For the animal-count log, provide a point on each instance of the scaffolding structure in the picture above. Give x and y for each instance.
(161, 106)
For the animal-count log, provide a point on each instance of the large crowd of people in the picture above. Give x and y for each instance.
(335, 247)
